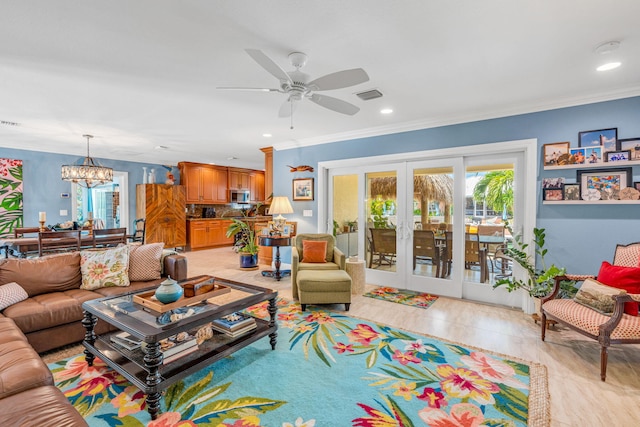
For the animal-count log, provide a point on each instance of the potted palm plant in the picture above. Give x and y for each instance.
(246, 244)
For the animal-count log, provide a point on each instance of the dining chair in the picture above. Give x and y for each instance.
(21, 231)
(107, 237)
(383, 244)
(139, 227)
(425, 248)
(58, 241)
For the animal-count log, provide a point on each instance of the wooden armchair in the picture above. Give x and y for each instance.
(58, 241)
(619, 328)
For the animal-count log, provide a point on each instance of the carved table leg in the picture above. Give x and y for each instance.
(272, 322)
(89, 322)
(152, 360)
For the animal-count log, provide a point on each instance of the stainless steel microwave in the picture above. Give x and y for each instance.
(240, 196)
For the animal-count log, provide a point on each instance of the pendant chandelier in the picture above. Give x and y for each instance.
(88, 174)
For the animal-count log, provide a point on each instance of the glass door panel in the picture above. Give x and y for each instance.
(345, 213)
(380, 211)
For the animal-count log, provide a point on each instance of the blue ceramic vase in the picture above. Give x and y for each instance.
(169, 291)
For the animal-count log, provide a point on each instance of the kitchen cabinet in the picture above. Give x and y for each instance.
(204, 184)
(163, 208)
(239, 179)
(208, 233)
(256, 186)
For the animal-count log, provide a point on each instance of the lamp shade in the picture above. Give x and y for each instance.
(280, 205)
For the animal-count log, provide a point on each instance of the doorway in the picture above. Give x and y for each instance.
(108, 203)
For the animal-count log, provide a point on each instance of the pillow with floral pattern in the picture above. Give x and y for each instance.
(104, 267)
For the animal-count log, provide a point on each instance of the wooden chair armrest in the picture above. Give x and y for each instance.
(607, 327)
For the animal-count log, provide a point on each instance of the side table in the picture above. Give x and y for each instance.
(355, 269)
(275, 242)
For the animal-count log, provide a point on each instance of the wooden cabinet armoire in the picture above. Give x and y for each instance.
(163, 208)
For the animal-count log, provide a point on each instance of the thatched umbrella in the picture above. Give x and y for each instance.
(427, 188)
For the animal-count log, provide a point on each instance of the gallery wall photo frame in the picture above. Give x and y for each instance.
(554, 194)
(608, 138)
(619, 156)
(552, 152)
(302, 189)
(631, 144)
(607, 181)
(571, 191)
(593, 155)
(578, 156)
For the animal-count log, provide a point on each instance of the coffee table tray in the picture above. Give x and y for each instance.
(147, 299)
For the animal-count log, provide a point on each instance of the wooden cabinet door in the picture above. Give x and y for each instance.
(224, 240)
(190, 177)
(222, 190)
(209, 185)
(239, 179)
(256, 186)
(198, 237)
(163, 207)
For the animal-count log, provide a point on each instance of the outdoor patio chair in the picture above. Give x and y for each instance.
(383, 245)
(425, 248)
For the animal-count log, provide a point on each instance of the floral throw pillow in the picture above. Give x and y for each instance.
(104, 268)
(597, 296)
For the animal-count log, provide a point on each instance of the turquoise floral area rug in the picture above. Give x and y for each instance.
(402, 296)
(328, 370)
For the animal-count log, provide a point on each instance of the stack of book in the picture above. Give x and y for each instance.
(235, 324)
(125, 340)
(176, 347)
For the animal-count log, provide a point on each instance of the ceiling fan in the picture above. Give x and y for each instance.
(297, 85)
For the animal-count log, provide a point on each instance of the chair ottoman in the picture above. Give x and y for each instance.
(324, 287)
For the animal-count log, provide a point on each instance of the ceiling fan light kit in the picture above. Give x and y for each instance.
(296, 85)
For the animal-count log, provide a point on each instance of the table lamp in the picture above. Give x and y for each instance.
(280, 205)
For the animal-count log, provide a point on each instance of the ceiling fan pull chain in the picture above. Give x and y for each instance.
(291, 104)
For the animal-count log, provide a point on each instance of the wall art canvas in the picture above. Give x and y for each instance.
(10, 196)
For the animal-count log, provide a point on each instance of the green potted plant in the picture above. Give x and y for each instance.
(539, 281)
(246, 244)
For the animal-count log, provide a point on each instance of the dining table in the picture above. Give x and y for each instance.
(20, 247)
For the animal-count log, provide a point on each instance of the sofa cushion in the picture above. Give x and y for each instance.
(597, 296)
(627, 278)
(20, 366)
(51, 273)
(11, 293)
(104, 267)
(314, 251)
(145, 262)
(49, 310)
(42, 406)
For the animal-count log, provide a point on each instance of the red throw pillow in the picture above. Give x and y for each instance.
(627, 278)
(314, 250)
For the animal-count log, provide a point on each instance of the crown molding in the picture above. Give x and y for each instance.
(458, 119)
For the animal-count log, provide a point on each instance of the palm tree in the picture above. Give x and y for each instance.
(495, 188)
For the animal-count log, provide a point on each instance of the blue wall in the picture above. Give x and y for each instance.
(42, 184)
(579, 237)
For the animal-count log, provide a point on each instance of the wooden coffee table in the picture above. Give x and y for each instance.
(146, 370)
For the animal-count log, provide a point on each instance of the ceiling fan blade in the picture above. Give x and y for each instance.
(340, 79)
(255, 89)
(267, 63)
(287, 108)
(334, 104)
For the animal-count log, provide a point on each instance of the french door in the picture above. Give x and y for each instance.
(415, 223)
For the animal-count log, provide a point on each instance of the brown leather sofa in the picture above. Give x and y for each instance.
(49, 318)
(27, 394)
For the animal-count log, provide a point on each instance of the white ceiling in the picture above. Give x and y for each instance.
(140, 74)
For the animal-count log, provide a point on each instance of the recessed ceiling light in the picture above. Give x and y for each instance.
(161, 147)
(609, 66)
(232, 158)
(267, 135)
(386, 111)
(607, 47)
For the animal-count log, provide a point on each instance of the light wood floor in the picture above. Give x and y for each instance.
(578, 397)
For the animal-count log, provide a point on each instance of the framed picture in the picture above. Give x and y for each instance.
(593, 155)
(286, 230)
(631, 144)
(607, 138)
(571, 191)
(552, 182)
(608, 182)
(552, 193)
(303, 189)
(552, 152)
(618, 156)
(577, 156)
